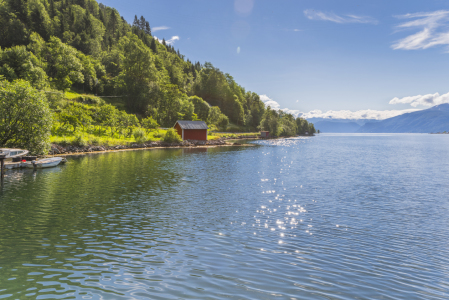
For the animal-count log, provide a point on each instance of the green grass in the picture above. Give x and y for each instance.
(91, 137)
(234, 135)
(71, 95)
(119, 103)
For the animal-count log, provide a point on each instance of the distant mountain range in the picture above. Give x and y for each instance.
(434, 119)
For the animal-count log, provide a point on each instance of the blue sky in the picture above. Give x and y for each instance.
(338, 56)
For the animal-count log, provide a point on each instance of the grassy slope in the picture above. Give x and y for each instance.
(91, 136)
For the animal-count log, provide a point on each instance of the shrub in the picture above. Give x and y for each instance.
(64, 141)
(55, 99)
(171, 136)
(158, 134)
(89, 99)
(212, 127)
(139, 135)
(79, 141)
(95, 141)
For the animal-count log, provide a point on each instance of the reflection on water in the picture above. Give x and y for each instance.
(331, 217)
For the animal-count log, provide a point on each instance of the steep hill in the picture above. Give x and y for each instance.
(88, 47)
(434, 119)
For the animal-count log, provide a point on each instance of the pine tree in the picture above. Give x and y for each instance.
(52, 9)
(101, 16)
(142, 23)
(153, 46)
(38, 23)
(147, 28)
(20, 7)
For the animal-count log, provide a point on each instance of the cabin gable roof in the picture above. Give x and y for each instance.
(192, 124)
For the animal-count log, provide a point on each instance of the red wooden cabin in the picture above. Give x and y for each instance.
(192, 130)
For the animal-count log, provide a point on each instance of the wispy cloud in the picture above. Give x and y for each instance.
(155, 29)
(424, 100)
(434, 30)
(338, 114)
(332, 17)
(170, 41)
(356, 115)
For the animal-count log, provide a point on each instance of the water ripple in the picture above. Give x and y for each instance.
(332, 217)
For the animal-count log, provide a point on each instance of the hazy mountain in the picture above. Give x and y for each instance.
(334, 126)
(327, 125)
(434, 119)
(361, 122)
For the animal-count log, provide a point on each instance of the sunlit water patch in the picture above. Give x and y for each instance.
(331, 217)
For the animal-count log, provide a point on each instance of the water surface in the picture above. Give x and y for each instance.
(328, 217)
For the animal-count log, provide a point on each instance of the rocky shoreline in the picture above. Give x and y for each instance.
(57, 149)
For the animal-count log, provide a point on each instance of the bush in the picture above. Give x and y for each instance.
(89, 99)
(171, 136)
(55, 99)
(79, 141)
(95, 141)
(158, 134)
(212, 127)
(139, 135)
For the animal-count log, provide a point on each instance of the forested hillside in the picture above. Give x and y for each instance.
(80, 45)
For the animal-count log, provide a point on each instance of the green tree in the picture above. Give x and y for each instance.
(270, 122)
(18, 63)
(63, 65)
(214, 115)
(25, 118)
(105, 115)
(288, 124)
(202, 108)
(138, 71)
(149, 124)
(223, 122)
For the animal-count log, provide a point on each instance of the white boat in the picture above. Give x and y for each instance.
(45, 163)
(11, 153)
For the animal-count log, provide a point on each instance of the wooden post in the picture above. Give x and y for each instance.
(2, 163)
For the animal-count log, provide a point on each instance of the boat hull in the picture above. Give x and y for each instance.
(45, 163)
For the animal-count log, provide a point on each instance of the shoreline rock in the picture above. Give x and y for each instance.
(57, 149)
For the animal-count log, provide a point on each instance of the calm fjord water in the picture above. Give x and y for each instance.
(328, 217)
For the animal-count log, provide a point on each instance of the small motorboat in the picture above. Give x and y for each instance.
(45, 163)
(12, 153)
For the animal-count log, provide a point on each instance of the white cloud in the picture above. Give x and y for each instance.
(325, 16)
(434, 30)
(337, 114)
(170, 41)
(238, 50)
(355, 115)
(159, 28)
(269, 102)
(425, 100)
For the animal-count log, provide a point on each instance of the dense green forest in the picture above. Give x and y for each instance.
(80, 45)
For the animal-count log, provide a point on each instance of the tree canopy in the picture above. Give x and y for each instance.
(85, 46)
(25, 117)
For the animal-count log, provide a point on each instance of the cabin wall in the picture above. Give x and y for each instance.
(178, 129)
(195, 134)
